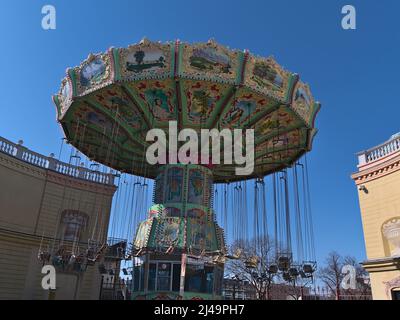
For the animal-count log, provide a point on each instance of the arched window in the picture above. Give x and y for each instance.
(73, 224)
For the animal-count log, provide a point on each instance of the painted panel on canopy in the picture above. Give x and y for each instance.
(209, 61)
(174, 185)
(145, 60)
(303, 101)
(246, 107)
(170, 232)
(159, 188)
(280, 119)
(201, 99)
(65, 96)
(201, 234)
(199, 187)
(115, 99)
(158, 97)
(94, 73)
(266, 76)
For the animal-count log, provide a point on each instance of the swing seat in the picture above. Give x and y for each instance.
(236, 255)
(219, 259)
(283, 263)
(308, 268)
(251, 263)
(273, 269)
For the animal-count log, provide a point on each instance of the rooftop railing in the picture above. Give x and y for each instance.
(20, 152)
(389, 147)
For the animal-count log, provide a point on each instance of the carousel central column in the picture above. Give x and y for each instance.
(183, 244)
(182, 188)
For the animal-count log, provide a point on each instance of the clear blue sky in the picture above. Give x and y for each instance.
(355, 74)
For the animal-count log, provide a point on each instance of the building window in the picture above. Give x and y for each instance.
(73, 225)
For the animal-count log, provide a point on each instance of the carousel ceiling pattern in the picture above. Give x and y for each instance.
(107, 104)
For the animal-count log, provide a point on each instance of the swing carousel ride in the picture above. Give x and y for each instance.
(107, 105)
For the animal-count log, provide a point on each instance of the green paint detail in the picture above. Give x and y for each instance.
(225, 105)
(315, 109)
(312, 135)
(180, 57)
(293, 78)
(58, 106)
(117, 66)
(72, 75)
(184, 103)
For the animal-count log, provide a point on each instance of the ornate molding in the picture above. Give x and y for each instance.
(394, 283)
(377, 172)
(391, 231)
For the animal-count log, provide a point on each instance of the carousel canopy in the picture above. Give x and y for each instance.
(107, 105)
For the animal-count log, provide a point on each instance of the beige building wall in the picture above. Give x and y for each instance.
(378, 184)
(32, 200)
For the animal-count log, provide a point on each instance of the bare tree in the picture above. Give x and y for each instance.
(363, 285)
(332, 276)
(250, 261)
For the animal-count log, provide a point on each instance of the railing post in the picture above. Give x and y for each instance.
(52, 163)
(81, 173)
(362, 159)
(20, 151)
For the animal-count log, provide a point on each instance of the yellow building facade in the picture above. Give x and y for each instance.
(378, 185)
(45, 203)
